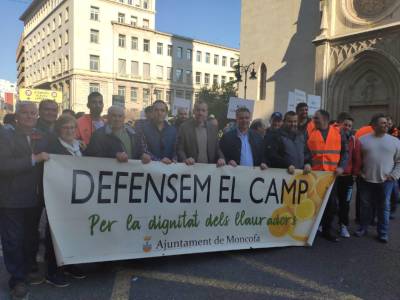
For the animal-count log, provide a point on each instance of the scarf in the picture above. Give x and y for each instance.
(74, 149)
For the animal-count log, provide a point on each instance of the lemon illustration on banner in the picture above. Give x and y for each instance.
(303, 213)
(305, 210)
(289, 196)
(283, 222)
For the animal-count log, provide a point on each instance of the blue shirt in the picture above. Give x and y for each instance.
(159, 144)
(246, 156)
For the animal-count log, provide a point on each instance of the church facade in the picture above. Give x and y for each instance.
(346, 51)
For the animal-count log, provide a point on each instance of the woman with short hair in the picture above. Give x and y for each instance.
(64, 143)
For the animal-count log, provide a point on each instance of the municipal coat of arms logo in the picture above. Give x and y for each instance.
(147, 246)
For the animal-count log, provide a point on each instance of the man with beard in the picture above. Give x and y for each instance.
(284, 148)
(88, 124)
(304, 123)
(326, 150)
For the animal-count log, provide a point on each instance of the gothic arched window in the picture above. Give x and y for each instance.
(263, 82)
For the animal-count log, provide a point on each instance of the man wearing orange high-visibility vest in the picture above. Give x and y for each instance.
(326, 150)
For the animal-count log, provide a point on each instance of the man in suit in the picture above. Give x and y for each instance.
(243, 146)
(198, 139)
(20, 206)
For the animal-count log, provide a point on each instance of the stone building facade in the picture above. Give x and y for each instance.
(112, 46)
(347, 51)
(358, 57)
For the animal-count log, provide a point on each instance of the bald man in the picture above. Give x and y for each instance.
(115, 140)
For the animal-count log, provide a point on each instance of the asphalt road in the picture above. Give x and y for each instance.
(355, 268)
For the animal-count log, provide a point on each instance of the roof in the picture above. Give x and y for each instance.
(34, 4)
(177, 36)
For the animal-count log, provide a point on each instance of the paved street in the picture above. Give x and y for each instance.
(352, 269)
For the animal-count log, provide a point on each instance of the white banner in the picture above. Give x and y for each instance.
(101, 210)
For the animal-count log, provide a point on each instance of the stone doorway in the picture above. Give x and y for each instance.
(365, 84)
(362, 114)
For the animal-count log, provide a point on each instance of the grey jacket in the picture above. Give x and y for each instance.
(284, 149)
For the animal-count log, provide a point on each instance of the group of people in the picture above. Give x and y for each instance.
(371, 157)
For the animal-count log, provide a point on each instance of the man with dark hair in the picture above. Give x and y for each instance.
(158, 137)
(276, 121)
(48, 112)
(198, 139)
(343, 116)
(381, 167)
(88, 124)
(304, 122)
(352, 170)
(392, 129)
(9, 121)
(69, 112)
(243, 146)
(326, 150)
(285, 147)
(148, 113)
(20, 207)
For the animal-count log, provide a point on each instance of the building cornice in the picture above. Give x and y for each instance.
(180, 37)
(387, 28)
(31, 8)
(153, 11)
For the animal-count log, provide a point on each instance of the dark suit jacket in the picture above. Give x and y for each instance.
(231, 146)
(104, 144)
(19, 178)
(187, 142)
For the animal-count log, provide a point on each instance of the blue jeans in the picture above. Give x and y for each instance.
(378, 195)
(395, 197)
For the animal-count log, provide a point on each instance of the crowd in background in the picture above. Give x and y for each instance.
(369, 157)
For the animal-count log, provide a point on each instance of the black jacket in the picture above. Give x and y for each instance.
(231, 146)
(55, 147)
(104, 144)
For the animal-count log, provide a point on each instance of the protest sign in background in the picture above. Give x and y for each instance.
(180, 103)
(101, 210)
(37, 95)
(235, 103)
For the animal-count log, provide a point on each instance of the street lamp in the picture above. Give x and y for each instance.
(240, 69)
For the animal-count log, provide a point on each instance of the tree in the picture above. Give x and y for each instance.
(217, 99)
